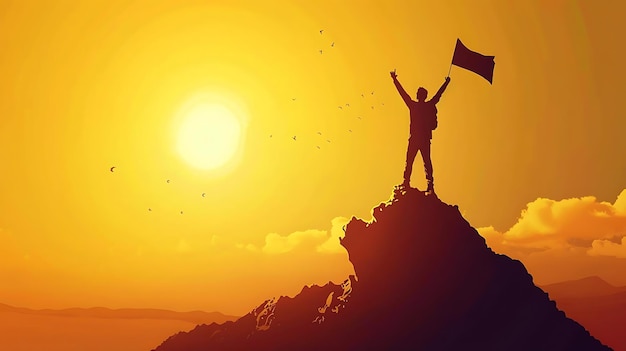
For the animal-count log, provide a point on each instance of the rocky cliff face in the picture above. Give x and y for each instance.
(425, 280)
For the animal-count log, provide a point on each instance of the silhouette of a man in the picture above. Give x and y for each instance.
(422, 113)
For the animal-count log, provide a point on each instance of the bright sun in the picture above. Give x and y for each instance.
(209, 135)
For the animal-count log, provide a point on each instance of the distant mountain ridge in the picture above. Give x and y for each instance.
(195, 317)
(425, 280)
(586, 287)
(598, 305)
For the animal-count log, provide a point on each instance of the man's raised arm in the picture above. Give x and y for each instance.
(437, 96)
(403, 93)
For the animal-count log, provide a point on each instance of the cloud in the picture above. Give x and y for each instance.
(578, 231)
(620, 204)
(309, 239)
(313, 240)
(571, 223)
(608, 248)
(332, 244)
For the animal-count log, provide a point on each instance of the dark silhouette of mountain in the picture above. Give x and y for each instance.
(585, 287)
(196, 317)
(596, 304)
(425, 280)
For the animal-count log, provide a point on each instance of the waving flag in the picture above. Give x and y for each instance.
(473, 61)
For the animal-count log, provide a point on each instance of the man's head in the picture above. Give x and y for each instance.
(421, 94)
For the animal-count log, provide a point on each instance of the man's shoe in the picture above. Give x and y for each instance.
(430, 189)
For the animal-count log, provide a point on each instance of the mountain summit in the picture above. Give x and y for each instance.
(425, 280)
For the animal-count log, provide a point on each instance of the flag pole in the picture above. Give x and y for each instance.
(452, 60)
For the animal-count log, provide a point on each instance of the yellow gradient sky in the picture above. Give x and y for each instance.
(87, 85)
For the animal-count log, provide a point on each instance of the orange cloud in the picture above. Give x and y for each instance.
(309, 239)
(319, 241)
(567, 239)
(608, 248)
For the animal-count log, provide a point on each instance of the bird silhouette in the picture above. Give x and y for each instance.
(320, 133)
(341, 108)
(350, 130)
(168, 181)
(293, 99)
(359, 117)
(347, 105)
(149, 210)
(112, 168)
(294, 138)
(320, 51)
(321, 31)
(318, 147)
(203, 194)
(332, 44)
(328, 140)
(270, 135)
(362, 95)
(181, 212)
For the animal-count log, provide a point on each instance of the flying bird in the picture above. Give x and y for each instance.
(112, 168)
(328, 140)
(341, 108)
(362, 95)
(181, 212)
(293, 99)
(149, 210)
(320, 51)
(270, 135)
(332, 44)
(321, 31)
(350, 130)
(203, 194)
(168, 181)
(347, 105)
(318, 147)
(294, 138)
(359, 117)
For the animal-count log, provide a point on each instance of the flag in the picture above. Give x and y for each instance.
(473, 61)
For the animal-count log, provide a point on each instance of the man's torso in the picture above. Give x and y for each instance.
(420, 112)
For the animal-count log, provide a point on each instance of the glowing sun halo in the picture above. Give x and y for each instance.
(208, 136)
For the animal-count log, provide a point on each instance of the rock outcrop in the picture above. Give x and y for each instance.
(425, 280)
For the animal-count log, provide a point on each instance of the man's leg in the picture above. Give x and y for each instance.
(411, 152)
(428, 165)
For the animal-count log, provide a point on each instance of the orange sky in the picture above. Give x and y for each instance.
(90, 85)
